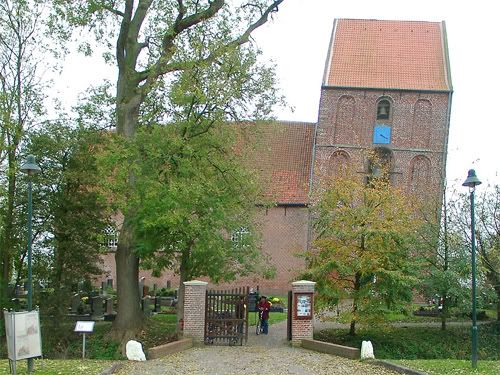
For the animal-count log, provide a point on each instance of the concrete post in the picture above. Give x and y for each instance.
(194, 310)
(302, 311)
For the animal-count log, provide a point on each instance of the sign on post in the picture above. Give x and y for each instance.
(303, 305)
(84, 327)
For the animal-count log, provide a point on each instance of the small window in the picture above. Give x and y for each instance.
(383, 110)
(110, 237)
(240, 238)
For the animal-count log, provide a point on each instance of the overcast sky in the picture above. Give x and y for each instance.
(297, 41)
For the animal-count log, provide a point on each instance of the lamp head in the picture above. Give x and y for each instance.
(30, 166)
(472, 181)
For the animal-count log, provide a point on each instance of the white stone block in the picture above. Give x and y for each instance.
(134, 351)
(367, 350)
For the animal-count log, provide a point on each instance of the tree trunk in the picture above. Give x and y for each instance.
(444, 312)
(7, 244)
(184, 276)
(129, 318)
(357, 285)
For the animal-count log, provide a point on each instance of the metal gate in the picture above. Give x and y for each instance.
(226, 316)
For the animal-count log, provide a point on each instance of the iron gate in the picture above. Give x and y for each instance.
(226, 316)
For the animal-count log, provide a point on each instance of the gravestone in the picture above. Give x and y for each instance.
(75, 303)
(97, 306)
(146, 306)
(109, 306)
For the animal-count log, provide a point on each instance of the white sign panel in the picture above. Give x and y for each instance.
(303, 305)
(84, 327)
(23, 334)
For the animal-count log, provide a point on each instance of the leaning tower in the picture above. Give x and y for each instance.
(386, 91)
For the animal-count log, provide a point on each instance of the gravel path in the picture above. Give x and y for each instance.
(264, 354)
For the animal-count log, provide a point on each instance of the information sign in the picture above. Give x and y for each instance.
(22, 329)
(303, 305)
(84, 327)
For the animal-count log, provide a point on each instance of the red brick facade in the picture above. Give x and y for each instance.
(403, 63)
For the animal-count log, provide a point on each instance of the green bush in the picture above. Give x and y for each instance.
(420, 342)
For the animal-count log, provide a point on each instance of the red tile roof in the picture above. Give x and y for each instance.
(388, 54)
(281, 153)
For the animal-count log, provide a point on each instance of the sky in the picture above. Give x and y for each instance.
(297, 40)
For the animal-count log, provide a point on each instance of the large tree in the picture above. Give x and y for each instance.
(444, 255)
(153, 41)
(22, 45)
(70, 214)
(487, 234)
(362, 248)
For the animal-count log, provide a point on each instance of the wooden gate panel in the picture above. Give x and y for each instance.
(226, 316)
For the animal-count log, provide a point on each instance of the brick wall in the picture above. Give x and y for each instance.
(284, 234)
(419, 133)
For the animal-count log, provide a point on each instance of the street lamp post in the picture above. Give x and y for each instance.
(30, 168)
(471, 182)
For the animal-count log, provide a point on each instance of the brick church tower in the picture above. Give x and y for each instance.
(386, 89)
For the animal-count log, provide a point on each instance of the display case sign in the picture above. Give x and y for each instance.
(24, 339)
(84, 326)
(303, 305)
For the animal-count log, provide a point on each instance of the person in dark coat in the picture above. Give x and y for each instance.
(264, 306)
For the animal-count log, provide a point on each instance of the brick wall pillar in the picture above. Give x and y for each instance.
(194, 310)
(302, 325)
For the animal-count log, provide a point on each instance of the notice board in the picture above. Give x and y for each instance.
(24, 338)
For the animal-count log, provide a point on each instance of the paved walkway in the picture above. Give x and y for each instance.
(264, 354)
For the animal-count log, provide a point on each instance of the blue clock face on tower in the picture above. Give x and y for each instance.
(382, 135)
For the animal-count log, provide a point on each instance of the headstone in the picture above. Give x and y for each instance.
(367, 350)
(134, 352)
(110, 283)
(141, 286)
(75, 303)
(109, 306)
(146, 306)
(97, 306)
(169, 284)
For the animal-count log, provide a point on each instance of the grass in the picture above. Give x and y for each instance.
(420, 342)
(274, 317)
(452, 367)
(63, 343)
(58, 367)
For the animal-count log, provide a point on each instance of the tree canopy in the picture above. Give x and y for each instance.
(362, 247)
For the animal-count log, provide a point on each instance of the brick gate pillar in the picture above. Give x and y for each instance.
(194, 310)
(302, 311)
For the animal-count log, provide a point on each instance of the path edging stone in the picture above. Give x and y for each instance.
(170, 348)
(111, 370)
(329, 348)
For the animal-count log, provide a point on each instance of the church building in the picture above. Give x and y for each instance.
(386, 89)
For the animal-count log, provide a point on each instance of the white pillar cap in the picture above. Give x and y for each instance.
(195, 282)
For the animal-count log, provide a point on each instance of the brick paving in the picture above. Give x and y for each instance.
(264, 354)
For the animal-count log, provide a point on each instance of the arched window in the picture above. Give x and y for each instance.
(383, 109)
(338, 164)
(420, 173)
(379, 164)
(344, 131)
(421, 127)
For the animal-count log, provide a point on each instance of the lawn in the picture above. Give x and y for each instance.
(274, 317)
(421, 342)
(63, 343)
(452, 367)
(59, 367)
